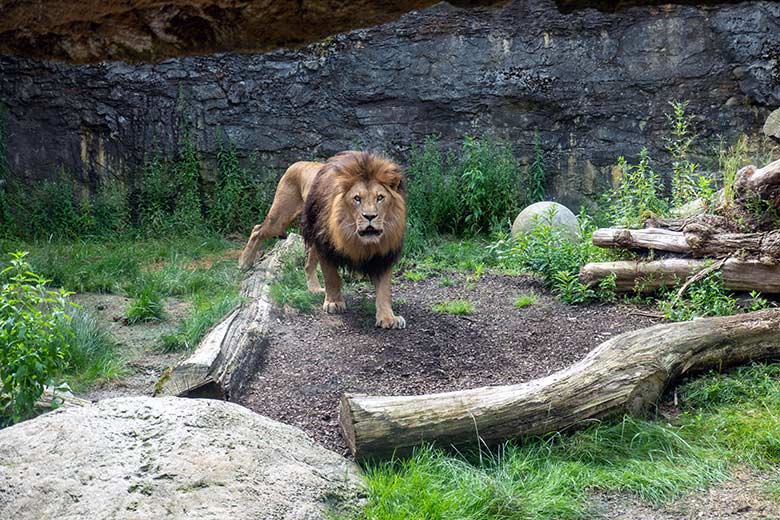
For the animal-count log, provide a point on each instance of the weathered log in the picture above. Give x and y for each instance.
(626, 374)
(694, 240)
(651, 238)
(229, 353)
(646, 277)
(54, 398)
(764, 179)
(713, 223)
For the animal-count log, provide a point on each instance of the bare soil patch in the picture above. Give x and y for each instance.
(135, 343)
(313, 358)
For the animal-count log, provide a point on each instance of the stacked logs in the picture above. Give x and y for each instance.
(704, 243)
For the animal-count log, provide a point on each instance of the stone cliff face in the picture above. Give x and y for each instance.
(595, 84)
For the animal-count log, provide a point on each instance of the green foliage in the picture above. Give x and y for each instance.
(239, 200)
(93, 357)
(707, 297)
(730, 161)
(415, 276)
(525, 300)
(535, 179)
(290, 287)
(727, 419)
(208, 309)
(490, 184)
(551, 252)
(146, 305)
(35, 335)
(636, 195)
(456, 307)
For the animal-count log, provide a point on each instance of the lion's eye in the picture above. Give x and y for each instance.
(380, 198)
(357, 198)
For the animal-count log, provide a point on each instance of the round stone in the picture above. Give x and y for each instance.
(552, 213)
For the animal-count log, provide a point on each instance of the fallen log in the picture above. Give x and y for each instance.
(229, 353)
(694, 240)
(764, 179)
(645, 277)
(626, 374)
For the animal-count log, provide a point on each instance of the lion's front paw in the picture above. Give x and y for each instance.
(391, 322)
(334, 307)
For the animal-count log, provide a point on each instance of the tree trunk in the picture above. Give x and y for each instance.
(646, 277)
(229, 353)
(694, 240)
(625, 374)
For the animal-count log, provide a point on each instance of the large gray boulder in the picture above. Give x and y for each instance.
(141, 457)
(551, 213)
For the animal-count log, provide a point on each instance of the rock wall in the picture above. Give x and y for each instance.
(595, 84)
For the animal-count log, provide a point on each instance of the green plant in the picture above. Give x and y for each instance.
(290, 287)
(147, 305)
(490, 181)
(35, 335)
(446, 282)
(457, 307)
(707, 297)
(636, 194)
(730, 161)
(757, 302)
(93, 356)
(570, 290)
(525, 300)
(534, 181)
(415, 276)
(208, 309)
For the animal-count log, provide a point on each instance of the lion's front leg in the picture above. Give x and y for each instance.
(334, 301)
(384, 303)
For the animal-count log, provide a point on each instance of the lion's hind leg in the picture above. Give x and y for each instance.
(312, 282)
(286, 207)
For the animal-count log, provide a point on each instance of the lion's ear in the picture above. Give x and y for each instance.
(395, 180)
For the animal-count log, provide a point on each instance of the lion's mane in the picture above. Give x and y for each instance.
(326, 219)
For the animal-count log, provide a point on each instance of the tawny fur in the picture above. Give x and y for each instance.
(354, 215)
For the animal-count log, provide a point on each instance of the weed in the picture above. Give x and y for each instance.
(636, 194)
(730, 160)
(290, 287)
(147, 305)
(93, 357)
(707, 297)
(208, 309)
(525, 300)
(35, 335)
(570, 290)
(457, 307)
(415, 276)
(446, 282)
(533, 184)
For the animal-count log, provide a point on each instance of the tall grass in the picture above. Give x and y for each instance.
(93, 356)
(727, 419)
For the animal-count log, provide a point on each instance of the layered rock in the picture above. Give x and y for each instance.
(595, 84)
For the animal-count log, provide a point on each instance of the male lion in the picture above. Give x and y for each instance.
(353, 211)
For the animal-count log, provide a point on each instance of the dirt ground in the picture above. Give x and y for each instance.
(135, 343)
(314, 358)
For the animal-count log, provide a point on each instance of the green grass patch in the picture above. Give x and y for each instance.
(525, 300)
(446, 282)
(415, 276)
(728, 419)
(93, 357)
(147, 305)
(457, 307)
(290, 287)
(207, 310)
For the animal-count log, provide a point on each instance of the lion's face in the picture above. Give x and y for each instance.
(368, 202)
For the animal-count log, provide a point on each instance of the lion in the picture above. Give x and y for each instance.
(353, 215)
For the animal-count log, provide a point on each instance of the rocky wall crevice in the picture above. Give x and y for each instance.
(595, 84)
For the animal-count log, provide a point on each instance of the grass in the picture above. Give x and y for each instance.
(290, 287)
(525, 300)
(93, 357)
(456, 307)
(195, 268)
(727, 420)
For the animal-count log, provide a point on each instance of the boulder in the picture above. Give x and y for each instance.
(772, 125)
(142, 457)
(552, 213)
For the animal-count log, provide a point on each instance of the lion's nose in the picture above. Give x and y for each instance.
(369, 216)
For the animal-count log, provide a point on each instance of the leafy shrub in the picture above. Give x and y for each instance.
(636, 195)
(535, 179)
(239, 200)
(35, 335)
(490, 184)
(707, 297)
